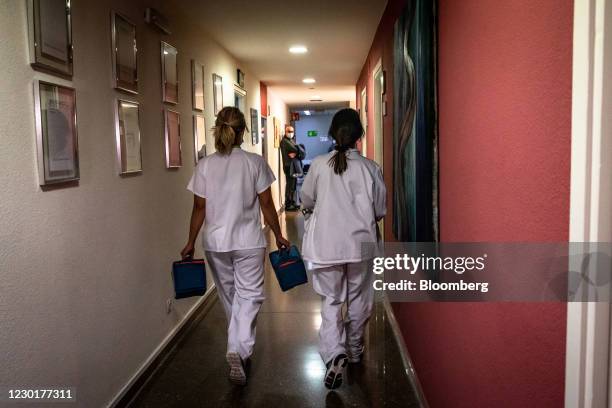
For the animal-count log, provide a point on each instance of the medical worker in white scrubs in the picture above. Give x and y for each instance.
(229, 187)
(346, 194)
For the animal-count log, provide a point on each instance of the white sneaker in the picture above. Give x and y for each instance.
(335, 371)
(236, 374)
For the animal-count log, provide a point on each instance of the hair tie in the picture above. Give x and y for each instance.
(341, 149)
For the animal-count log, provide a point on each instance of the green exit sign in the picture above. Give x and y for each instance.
(313, 133)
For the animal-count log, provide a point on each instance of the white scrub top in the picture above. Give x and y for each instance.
(230, 184)
(346, 209)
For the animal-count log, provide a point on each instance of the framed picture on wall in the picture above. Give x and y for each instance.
(277, 132)
(169, 65)
(217, 93)
(124, 53)
(240, 96)
(50, 36)
(240, 78)
(199, 137)
(254, 126)
(127, 130)
(172, 133)
(197, 85)
(56, 133)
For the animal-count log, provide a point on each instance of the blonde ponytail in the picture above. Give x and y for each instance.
(229, 129)
(224, 139)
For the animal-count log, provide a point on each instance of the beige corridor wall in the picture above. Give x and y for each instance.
(279, 110)
(85, 270)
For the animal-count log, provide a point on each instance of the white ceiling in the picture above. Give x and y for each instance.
(294, 95)
(338, 34)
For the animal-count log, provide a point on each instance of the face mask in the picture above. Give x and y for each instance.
(290, 135)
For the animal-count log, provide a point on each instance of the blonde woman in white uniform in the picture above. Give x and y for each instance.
(229, 187)
(346, 194)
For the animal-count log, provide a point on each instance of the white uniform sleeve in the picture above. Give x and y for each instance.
(308, 192)
(265, 177)
(380, 195)
(197, 184)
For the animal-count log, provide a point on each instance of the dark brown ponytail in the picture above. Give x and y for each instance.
(345, 129)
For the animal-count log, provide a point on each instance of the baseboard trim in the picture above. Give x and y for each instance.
(148, 369)
(406, 360)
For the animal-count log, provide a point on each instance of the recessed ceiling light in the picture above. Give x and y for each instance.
(308, 80)
(298, 49)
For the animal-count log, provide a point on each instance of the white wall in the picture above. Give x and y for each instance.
(314, 145)
(279, 110)
(85, 270)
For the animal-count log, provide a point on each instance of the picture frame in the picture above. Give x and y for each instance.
(124, 52)
(277, 132)
(169, 70)
(240, 98)
(172, 137)
(197, 86)
(56, 133)
(240, 78)
(217, 93)
(254, 126)
(127, 131)
(199, 137)
(50, 36)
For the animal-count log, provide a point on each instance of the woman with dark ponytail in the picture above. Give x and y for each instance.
(229, 187)
(345, 196)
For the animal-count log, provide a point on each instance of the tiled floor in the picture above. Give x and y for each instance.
(286, 369)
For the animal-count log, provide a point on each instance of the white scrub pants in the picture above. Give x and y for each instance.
(350, 283)
(239, 278)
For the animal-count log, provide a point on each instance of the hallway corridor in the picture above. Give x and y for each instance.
(129, 126)
(286, 369)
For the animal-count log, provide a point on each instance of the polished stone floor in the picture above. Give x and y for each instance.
(286, 368)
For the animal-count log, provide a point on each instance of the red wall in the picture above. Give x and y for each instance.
(504, 91)
(382, 50)
(263, 97)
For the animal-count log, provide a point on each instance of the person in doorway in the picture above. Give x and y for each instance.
(343, 196)
(229, 187)
(290, 151)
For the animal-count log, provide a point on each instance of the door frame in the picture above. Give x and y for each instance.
(363, 104)
(587, 378)
(377, 114)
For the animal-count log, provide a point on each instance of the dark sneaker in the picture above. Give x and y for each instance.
(237, 374)
(335, 371)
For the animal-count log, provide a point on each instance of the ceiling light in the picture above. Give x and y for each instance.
(308, 80)
(298, 49)
(316, 98)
